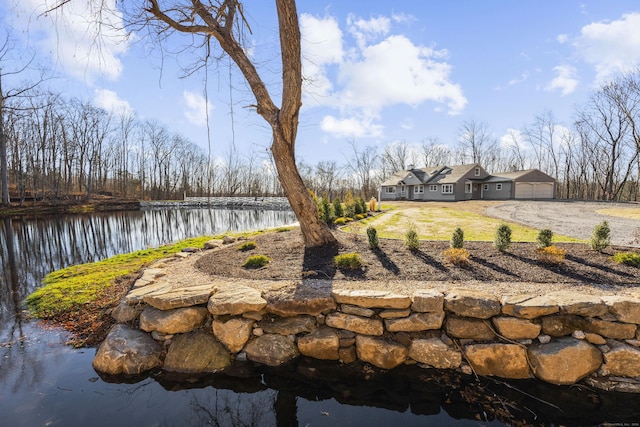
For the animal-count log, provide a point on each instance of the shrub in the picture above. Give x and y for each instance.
(349, 261)
(551, 255)
(247, 246)
(601, 237)
(373, 203)
(342, 221)
(457, 239)
(361, 216)
(545, 236)
(627, 258)
(361, 206)
(502, 240)
(372, 237)
(337, 208)
(256, 261)
(325, 211)
(456, 256)
(411, 240)
(349, 205)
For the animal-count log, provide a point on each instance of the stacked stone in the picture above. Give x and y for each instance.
(559, 338)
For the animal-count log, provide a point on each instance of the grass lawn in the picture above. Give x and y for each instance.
(436, 221)
(630, 213)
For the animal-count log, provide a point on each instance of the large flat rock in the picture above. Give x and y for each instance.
(272, 350)
(235, 300)
(379, 352)
(359, 325)
(435, 353)
(166, 299)
(529, 306)
(176, 321)
(472, 303)
(368, 298)
(500, 360)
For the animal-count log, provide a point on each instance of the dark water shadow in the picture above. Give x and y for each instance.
(429, 261)
(386, 262)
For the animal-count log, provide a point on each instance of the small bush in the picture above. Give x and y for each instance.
(247, 246)
(456, 256)
(372, 237)
(325, 211)
(545, 236)
(256, 261)
(627, 258)
(601, 237)
(551, 255)
(337, 208)
(342, 221)
(361, 216)
(457, 239)
(411, 240)
(350, 261)
(502, 240)
(373, 203)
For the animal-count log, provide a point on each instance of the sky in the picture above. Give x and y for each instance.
(376, 72)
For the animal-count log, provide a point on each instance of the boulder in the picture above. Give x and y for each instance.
(379, 352)
(560, 325)
(371, 299)
(516, 329)
(167, 299)
(348, 354)
(272, 349)
(127, 351)
(565, 360)
(323, 343)
(288, 325)
(416, 322)
(137, 294)
(233, 333)
(236, 300)
(500, 360)
(394, 313)
(360, 325)
(427, 301)
(625, 309)
(578, 303)
(472, 303)
(464, 327)
(358, 311)
(298, 300)
(125, 313)
(176, 321)
(196, 352)
(213, 244)
(615, 330)
(529, 306)
(435, 353)
(622, 360)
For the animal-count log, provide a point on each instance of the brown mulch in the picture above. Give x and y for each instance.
(393, 261)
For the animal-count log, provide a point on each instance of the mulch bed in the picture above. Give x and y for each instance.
(393, 261)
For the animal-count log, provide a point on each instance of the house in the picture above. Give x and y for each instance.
(466, 182)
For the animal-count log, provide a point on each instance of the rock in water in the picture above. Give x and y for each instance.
(196, 352)
(127, 351)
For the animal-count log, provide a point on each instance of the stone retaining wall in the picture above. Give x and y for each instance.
(560, 338)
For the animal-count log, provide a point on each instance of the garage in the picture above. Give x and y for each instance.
(534, 190)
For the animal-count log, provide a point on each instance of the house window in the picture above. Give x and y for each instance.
(447, 188)
(477, 172)
(402, 189)
(418, 189)
(433, 188)
(468, 187)
(485, 187)
(498, 187)
(389, 189)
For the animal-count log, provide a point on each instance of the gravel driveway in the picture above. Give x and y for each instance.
(571, 218)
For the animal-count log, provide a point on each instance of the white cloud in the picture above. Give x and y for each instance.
(565, 80)
(72, 36)
(365, 31)
(611, 47)
(109, 100)
(197, 108)
(350, 127)
(523, 77)
(562, 38)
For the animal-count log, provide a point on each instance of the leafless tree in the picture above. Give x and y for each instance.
(476, 141)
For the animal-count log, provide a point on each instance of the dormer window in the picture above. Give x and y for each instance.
(477, 172)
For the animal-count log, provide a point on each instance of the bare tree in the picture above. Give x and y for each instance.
(435, 153)
(362, 164)
(476, 141)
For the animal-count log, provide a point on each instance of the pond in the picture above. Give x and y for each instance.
(43, 382)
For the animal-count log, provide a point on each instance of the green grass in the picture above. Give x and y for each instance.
(74, 286)
(437, 223)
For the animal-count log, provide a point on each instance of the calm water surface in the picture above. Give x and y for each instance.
(45, 383)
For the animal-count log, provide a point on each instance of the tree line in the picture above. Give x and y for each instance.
(59, 148)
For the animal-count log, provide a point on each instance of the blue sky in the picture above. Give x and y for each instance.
(376, 71)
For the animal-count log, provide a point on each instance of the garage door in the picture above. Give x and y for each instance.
(536, 190)
(524, 190)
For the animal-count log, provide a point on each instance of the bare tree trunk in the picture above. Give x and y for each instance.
(4, 173)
